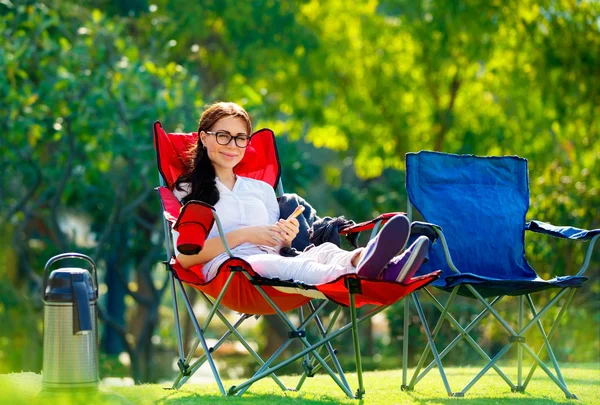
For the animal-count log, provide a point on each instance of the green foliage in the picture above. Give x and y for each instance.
(349, 90)
(79, 100)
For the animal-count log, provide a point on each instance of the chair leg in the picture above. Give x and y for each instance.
(312, 348)
(182, 364)
(309, 348)
(244, 387)
(176, 314)
(549, 348)
(444, 313)
(551, 333)
(361, 388)
(432, 345)
(485, 369)
(405, 387)
(233, 330)
(517, 338)
(536, 321)
(260, 372)
(313, 366)
(329, 347)
(200, 334)
(549, 373)
(194, 366)
(303, 340)
(464, 333)
(519, 347)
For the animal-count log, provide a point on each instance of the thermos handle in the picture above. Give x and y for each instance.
(82, 319)
(70, 256)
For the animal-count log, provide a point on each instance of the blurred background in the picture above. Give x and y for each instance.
(348, 87)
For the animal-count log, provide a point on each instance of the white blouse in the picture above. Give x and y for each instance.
(251, 202)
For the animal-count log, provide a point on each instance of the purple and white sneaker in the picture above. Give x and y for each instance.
(384, 246)
(404, 266)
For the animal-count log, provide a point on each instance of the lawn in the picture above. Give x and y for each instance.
(382, 388)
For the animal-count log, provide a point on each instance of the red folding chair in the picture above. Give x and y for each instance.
(238, 287)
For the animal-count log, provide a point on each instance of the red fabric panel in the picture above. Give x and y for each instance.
(193, 224)
(260, 161)
(241, 296)
(171, 151)
(170, 203)
(363, 226)
(375, 292)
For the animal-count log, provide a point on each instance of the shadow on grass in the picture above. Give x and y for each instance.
(522, 399)
(249, 398)
(276, 397)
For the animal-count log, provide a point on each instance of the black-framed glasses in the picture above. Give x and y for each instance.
(224, 137)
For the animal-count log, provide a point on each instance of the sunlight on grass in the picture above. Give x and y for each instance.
(382, 388)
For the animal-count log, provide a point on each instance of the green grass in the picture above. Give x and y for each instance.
(381, 388)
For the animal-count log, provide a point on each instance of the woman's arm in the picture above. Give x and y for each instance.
(268, 235)
(212, 248)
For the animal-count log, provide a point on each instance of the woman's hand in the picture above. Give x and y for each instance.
(266, 235)
(288, 229)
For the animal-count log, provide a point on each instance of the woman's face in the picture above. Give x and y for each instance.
(225, 156)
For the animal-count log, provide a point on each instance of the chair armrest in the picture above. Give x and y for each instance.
(170, 204)
(194, 222)
(432, 231)
(566, 232)
(416, 228)
(363, 226)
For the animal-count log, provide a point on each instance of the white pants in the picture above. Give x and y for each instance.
(317, 265)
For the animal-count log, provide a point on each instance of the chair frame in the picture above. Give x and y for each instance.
(515, 337)
(313, 361)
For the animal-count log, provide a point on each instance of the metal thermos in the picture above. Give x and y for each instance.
(70, 326)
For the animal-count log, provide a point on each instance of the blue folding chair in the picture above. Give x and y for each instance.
(478, 206)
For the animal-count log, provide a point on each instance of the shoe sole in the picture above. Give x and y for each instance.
(418, 253)
(382, 253)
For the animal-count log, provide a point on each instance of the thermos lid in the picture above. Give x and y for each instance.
(60, 284)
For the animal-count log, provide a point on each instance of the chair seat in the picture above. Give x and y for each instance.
(493, 287)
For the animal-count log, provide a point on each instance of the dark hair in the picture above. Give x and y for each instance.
(201, 173)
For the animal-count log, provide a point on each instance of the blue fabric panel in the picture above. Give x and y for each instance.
(561, 231)
(481, 204)
(489, 287)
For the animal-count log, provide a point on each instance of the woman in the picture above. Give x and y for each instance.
(249, 213)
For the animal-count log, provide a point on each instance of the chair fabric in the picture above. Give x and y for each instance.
(477, 206)
(567, 232)
(481, 204)
(260, 160)
(241, 295)
(238, 287)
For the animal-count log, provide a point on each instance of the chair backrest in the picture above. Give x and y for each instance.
(260, 161)
(480, 203)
